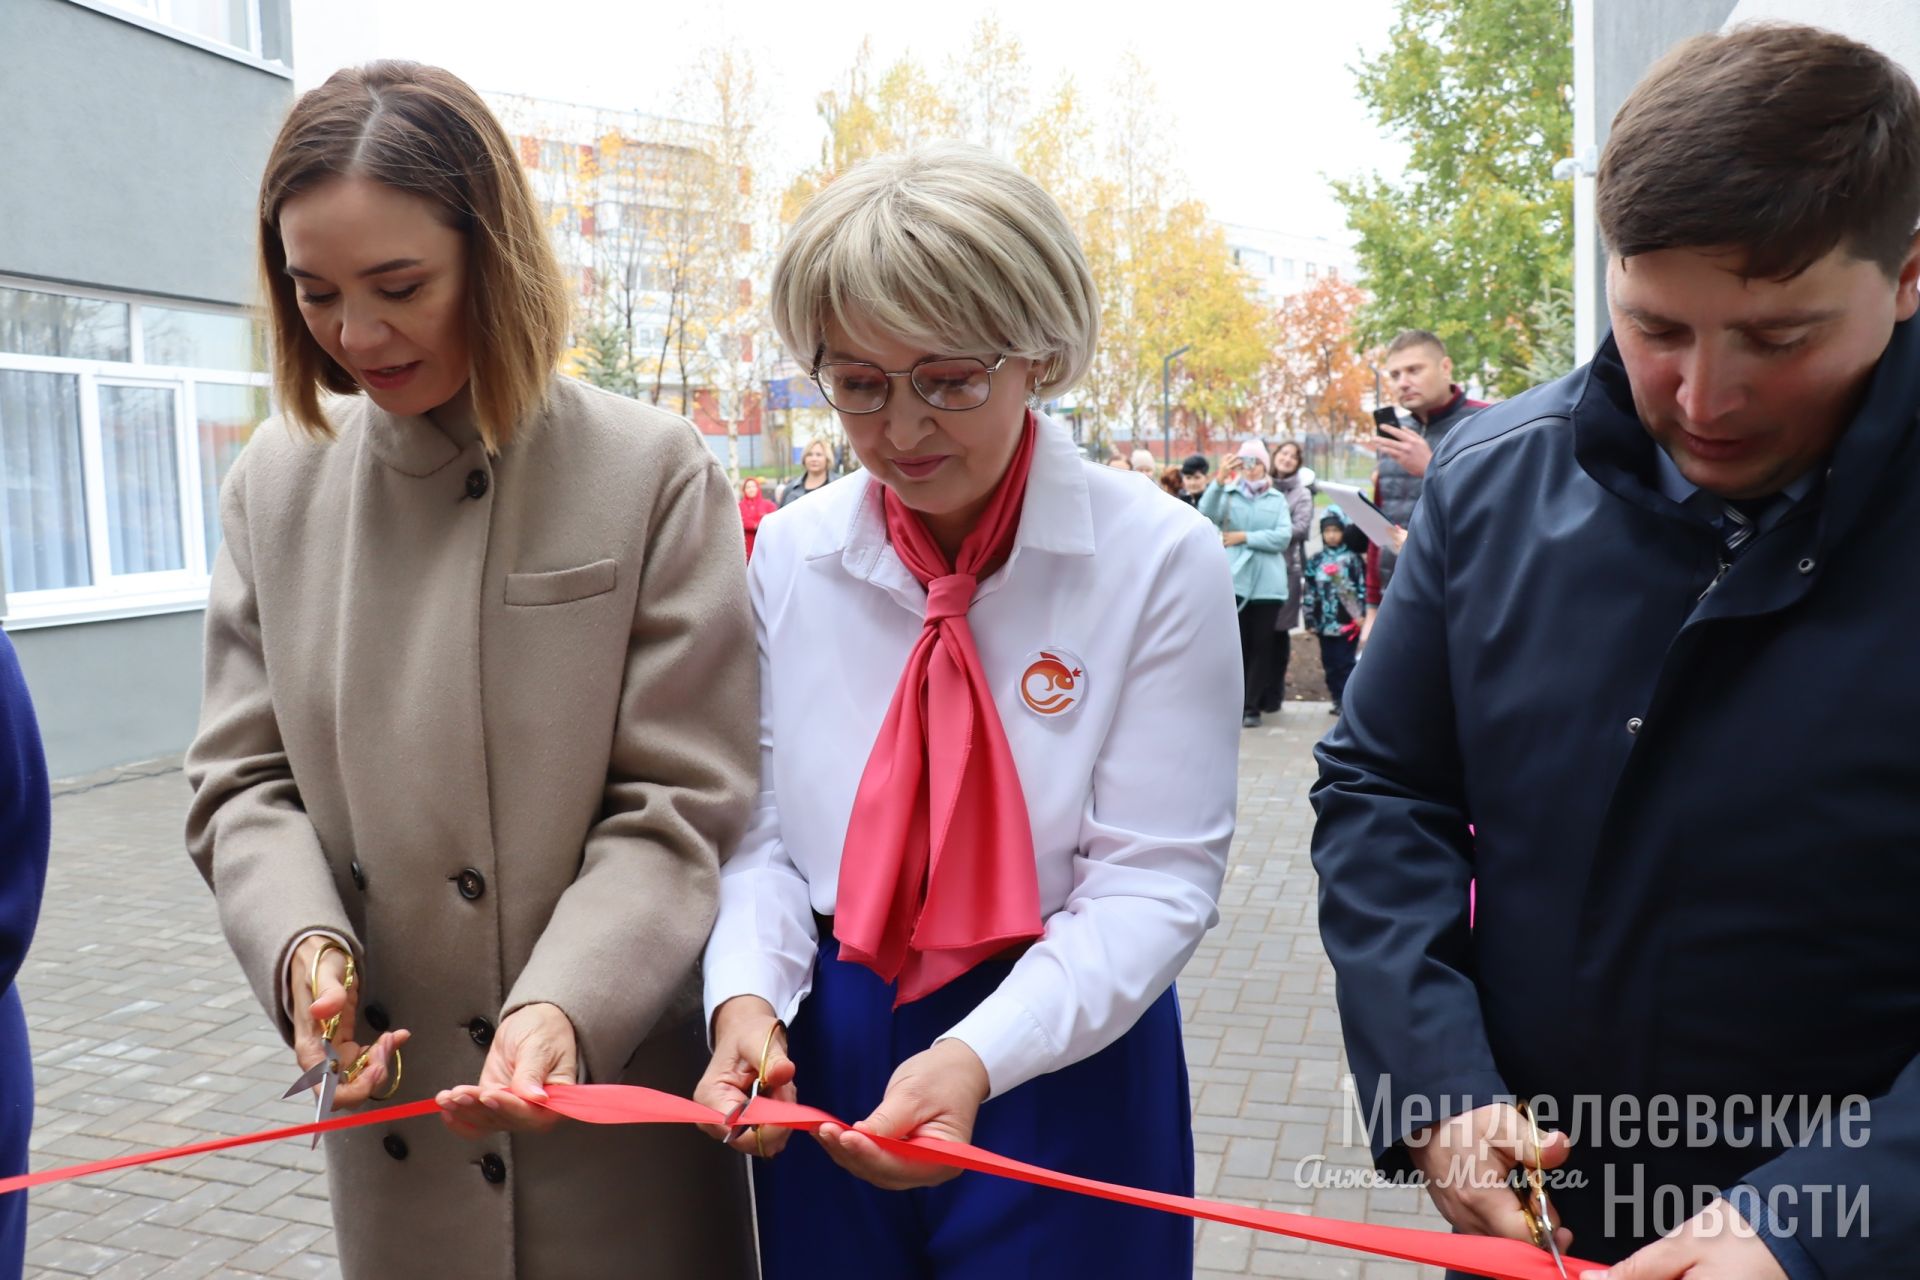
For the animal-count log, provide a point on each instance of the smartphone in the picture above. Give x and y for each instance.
(1384, 417)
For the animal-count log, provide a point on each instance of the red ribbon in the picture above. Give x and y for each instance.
(628, 1104)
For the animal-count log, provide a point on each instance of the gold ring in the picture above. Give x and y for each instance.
(399, 1070)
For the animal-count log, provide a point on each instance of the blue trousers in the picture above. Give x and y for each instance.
(1120, 1116)
(1337, 656)
(16, 1123)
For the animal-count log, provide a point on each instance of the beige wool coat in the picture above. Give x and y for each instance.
(493, 721)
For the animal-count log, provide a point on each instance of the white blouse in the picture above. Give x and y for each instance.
(1129, 775)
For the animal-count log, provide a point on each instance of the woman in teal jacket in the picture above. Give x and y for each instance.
(1256, 525)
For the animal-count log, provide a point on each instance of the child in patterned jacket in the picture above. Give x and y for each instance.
(1334, 600)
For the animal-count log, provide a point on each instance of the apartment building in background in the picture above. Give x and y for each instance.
(628, 196)
(1282, 263)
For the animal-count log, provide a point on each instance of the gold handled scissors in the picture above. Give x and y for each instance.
(753, 1091)
(1533, 1197)
(325, 1073)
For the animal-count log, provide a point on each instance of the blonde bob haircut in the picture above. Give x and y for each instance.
(947, 247)
(423, 131)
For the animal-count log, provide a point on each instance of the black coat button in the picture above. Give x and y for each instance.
(396, 1146)
(471, 884)
(359, 876)
(376, 1017)
(482, 1032)
(493, 1168)
(477, 484)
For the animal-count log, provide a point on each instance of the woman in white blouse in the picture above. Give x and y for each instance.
(997, 762)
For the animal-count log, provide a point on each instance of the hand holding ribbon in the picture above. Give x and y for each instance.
(934, 1094)
(533, 1047)
(1715, 1244)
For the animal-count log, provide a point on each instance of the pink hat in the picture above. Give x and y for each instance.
(1254, 451)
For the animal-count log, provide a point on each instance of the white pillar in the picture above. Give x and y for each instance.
(1587, 284)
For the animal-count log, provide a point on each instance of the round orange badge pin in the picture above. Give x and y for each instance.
(1054, 682)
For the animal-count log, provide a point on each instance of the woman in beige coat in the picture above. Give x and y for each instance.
(480, 712)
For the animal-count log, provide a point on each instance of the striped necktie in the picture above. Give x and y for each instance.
(1740, 521)
(1737, 528)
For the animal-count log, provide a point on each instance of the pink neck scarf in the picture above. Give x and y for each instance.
(938, 871)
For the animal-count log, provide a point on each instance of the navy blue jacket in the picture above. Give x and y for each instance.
(1698, 815)
(25, 817)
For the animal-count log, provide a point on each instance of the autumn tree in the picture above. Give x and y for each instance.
(991, 86)
(1479, 232)
(1165, 276)
(1317, 376)
(866, 115)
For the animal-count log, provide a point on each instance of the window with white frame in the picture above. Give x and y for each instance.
(229, 22)
(119, 418)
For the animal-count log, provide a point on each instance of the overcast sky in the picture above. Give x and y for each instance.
(1258, 96)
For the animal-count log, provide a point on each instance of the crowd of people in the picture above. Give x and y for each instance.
(513, 773)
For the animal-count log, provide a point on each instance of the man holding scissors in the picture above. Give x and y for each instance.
(1643, 684)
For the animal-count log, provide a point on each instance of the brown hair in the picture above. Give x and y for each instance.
(1781, 141)
(421, 130)
(1416, 338)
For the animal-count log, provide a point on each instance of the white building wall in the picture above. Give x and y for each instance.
(1282, 263)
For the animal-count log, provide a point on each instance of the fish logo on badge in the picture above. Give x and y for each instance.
(1053, 683)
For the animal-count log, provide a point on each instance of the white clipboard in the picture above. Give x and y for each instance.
(1359, 510)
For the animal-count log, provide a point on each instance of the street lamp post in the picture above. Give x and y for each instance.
(1166, 398)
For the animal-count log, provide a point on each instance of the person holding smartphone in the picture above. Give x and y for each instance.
(1421, 374)
(1256, 527)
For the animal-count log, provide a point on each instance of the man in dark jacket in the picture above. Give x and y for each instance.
(1642, 642)
(1421, 374)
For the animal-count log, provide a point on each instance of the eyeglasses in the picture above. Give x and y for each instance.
(944, 382)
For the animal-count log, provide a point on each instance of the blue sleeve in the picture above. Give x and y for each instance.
(1269, 541)
(26, 817)
(1213, 502)
(1849, 1202)
(1785, 1247)
(1395, 859)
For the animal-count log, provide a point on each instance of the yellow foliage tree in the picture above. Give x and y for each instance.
(1165, 275)
(1316, 377)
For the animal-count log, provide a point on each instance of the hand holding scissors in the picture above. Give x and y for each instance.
(1470, 1162)
(344, 1074)
(749, 1060)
